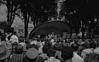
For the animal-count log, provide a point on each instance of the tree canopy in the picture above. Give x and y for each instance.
(40, 10)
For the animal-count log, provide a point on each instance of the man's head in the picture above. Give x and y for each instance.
(67, 54)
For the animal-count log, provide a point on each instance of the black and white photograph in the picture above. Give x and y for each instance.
(49, 30)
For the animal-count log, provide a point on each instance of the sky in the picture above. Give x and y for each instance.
(3, 13)
(3, 16)
(17, 24)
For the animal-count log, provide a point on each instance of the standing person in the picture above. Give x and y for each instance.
(76, 57)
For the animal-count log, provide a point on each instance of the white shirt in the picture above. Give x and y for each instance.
(96, 50)
(86, 51)
(77, 58)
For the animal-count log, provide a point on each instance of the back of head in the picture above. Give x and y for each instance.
(75, 47)
(92, 58)
(67, 54)
(51, 52)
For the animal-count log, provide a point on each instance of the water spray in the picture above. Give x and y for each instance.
(59, 7)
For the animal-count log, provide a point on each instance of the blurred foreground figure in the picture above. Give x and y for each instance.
(76, 57)
(5, 52)
(67, 54)
(92, 58)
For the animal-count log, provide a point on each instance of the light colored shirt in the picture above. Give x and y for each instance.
(96, 50)
(86, 51)
(77, 58)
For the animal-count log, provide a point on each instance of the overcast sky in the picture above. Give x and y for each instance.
(17, 22)
(3, 13)
(3, 16)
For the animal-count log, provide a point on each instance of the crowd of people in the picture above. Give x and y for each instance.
(50, 48)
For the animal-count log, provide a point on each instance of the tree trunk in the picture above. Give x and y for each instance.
(26, 21)
(10, 16)
(26, 29)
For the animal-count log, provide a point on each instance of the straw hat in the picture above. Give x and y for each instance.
(32, 53)
(4, 53)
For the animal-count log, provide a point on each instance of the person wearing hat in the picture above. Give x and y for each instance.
(4, 53)
(31, 55)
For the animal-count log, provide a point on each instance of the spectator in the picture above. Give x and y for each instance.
(31, 55)
(86, 51)
(51, 54)
(76, 57)
(92, 58)
(67, 54)
(46, 47)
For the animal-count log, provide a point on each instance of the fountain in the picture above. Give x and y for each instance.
(59, 7)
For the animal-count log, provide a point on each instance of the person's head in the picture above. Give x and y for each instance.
(46, 47)
(74, 47)
(92, 58)
(67, 54)
(51, 52)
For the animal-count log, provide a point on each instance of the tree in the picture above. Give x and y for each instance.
(12, 8)
(40, 10)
